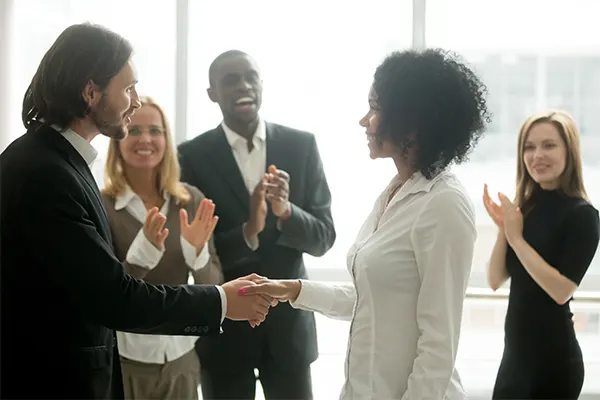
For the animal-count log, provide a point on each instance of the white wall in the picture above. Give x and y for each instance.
(6, 9)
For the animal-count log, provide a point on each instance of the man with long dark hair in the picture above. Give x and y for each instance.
(63, 290)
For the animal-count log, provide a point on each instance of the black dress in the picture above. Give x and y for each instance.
(542, 358)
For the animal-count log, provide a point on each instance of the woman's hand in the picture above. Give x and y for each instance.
(154, 229)
(202, 226)
(255, 279)
(513, 220)
(277, 289)
(493, 209)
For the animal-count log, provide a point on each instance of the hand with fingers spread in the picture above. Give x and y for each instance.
(154, 228)
(258, 211)
(493, 209)
(513, 220)
(278, 191)
(202, 226)
(277, 289)
(245, 308)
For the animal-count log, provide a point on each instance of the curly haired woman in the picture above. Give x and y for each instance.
(411, 260)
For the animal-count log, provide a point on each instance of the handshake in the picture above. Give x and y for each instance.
(249, 298)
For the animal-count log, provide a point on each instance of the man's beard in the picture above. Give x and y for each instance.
(108, 121)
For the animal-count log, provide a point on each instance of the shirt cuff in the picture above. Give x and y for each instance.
(195, 262)
(302, 295)
(223, 302)
(143, 253)
(252, 244)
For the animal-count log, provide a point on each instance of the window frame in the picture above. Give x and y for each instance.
(590, 287)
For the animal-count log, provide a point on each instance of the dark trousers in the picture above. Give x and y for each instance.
(239, 382)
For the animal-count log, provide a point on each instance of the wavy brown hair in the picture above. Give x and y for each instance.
(169, 172)
(571, 180)
(82, 53)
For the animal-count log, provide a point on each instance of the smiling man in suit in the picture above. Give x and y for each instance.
(273, 203)
(63, 290)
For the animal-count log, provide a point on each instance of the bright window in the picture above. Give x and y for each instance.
(152, 35)
(533, 55)
(317, 60)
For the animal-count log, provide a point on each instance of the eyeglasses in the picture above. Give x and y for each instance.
(137, 130)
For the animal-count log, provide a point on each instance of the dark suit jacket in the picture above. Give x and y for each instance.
(208, 163)
(63, 290)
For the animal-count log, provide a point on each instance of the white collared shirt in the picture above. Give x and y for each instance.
(82, 146)
(252, 164)
(154, 349)
(410, 266)
(89, 154)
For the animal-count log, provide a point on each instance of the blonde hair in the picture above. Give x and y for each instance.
(571, 180)
(169, 173)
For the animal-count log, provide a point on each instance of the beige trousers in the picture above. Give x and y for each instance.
(174, 380)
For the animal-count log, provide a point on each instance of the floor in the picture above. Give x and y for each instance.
(478, 360)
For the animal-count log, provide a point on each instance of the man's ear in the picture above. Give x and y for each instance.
(91, 93)
(211, 94)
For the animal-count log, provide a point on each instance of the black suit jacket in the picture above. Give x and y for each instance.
(63, 290)
(208, 164)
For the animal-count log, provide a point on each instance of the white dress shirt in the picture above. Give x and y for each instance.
(82, 146)
(154, 349)
(410, 266)
(252, 164)
(89, 154)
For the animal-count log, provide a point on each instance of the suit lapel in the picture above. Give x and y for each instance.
(224, 161)
(276, 154)
(63, 146)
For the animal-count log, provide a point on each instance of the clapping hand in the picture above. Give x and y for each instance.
(202, 226)
(258, 211)
(493, 209)
(513, 219)
(154, 228)
(278, 191)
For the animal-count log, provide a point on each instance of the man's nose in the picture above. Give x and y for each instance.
(244, 85)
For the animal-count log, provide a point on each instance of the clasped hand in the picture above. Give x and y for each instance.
(507, 215)
(260, 293)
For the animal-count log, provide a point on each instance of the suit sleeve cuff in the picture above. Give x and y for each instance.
(143, 253)
(189, 254)
(252, 244)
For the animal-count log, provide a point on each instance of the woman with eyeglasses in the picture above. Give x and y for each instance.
(161, 230)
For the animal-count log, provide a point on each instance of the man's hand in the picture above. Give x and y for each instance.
(258, 211)
(278, 192)
(245, 308)
(276, 289)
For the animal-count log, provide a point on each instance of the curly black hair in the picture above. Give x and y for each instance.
(431, 100)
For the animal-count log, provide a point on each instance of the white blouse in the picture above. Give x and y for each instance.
(155, 349)
(410, 266)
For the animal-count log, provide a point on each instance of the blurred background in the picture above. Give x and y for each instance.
(317, 60)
